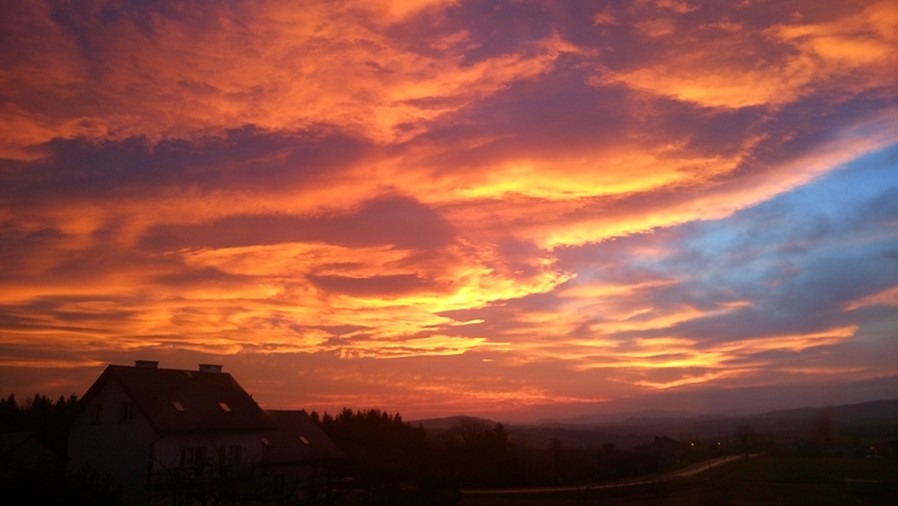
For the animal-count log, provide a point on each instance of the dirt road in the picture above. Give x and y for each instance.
(686, 472)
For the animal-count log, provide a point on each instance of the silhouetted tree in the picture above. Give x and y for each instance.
(477, 453)
(11, 418)
(49, 421)
(378, 446)
(747, 438)
(42, 479)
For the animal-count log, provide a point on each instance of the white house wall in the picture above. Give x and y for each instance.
(167, 451)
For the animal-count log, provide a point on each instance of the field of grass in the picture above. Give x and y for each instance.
(786, 481)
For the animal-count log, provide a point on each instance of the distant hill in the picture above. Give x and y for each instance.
(689, 402)
(438, 424)
(535, 435)
(880, 416)
(874, 418)
(871, 415)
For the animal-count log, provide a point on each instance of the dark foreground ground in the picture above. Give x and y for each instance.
(757, 481)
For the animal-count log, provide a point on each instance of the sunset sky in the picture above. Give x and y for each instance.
(514, 209)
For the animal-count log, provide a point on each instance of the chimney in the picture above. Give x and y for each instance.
(147, 364)
(210, 368)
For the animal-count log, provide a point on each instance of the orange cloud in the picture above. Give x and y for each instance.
(713, 201)
(854, 53)
(681, 356)
(789, 342)
(705, 378)
(416, 347)
(275, 65)
(887, 297)
(388, 184)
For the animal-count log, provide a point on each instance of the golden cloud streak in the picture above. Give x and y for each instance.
(680, 355)
(460, 286)
(797, 342)
(690, 380)
(436, 345)
(48, 363)
(717, 201)
(623, 172)
(275, 65)
(887, 297)
(854, 53)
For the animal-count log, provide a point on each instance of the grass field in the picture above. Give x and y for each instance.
(792, 481)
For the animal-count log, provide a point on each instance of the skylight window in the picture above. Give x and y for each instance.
(178, 406)
(224, 407)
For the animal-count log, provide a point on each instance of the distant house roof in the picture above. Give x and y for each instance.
(176, 400)
(665, 444)
(11, 440)
(297, 439)
(22, 449)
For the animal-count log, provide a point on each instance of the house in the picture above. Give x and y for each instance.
(668, 451)
(168, 435)
(23, 450)
(26, 464)
(298, 457)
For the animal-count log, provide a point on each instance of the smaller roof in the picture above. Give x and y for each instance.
(20, 450)
(176, 400)
(9, 441)
(297, 439)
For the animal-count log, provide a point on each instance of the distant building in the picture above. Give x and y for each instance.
(668, 451)
(26, 464)
(296, 456)
(176, 436)
(23, 451)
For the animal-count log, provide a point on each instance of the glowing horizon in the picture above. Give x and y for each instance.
(436, 207)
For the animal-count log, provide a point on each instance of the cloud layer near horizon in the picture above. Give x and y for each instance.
(388, 204)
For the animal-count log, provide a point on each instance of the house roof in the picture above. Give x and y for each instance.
(176, 400)
(297, 439)
(9, 441)
(19, 450)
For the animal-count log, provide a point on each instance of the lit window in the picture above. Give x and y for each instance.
(178, 406)
(126, 412)
(224, 407)
(304, 440)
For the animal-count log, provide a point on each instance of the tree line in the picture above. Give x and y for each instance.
(385, 455)
(383, 451)
(48, 420)
(43, 479)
